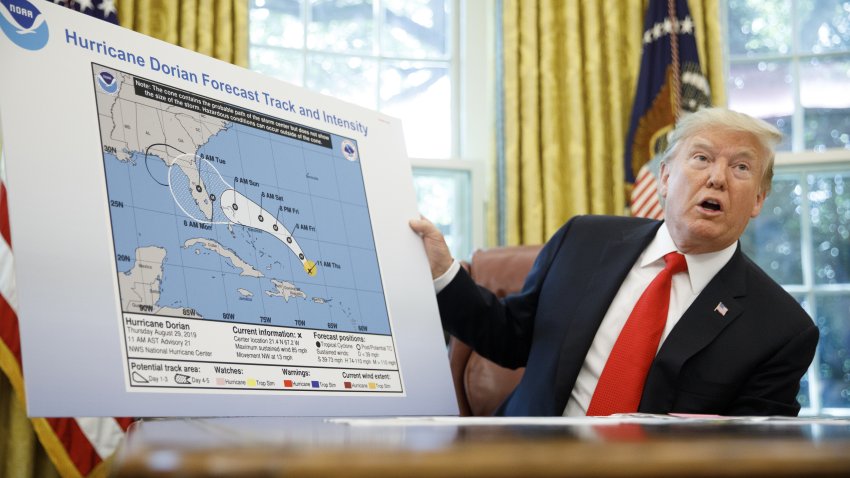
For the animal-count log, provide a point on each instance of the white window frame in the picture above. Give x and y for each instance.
(802, 163)
(473, 104)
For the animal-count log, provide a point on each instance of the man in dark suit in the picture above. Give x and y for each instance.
(725, 339)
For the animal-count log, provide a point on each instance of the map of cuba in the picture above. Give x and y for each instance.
(214, 219)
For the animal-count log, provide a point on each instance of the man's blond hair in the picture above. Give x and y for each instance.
(691, 124)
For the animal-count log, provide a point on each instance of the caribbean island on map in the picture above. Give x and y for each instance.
(245, 259)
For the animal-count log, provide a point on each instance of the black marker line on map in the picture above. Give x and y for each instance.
(165, 160)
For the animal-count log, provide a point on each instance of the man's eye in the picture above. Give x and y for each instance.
(742, 167)
(701, 157)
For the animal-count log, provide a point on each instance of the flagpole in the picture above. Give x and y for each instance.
(675, 81)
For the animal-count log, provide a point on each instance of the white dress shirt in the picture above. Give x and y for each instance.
(685, 289)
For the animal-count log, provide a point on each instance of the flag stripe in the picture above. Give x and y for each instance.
(645, 201)
(7, 276)
(103, 434)
(657, 212)
(4, 218)
(10, 355)
(641, 182)
(649, 194)
(80, 451)
(640, 188)
(9, 330)
(642, 210)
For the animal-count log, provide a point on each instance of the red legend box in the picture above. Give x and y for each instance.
(287, 383)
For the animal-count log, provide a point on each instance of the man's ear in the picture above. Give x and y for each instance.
(664, 175)
(758, 204)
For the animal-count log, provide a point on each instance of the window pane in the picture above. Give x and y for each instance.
(824, 25)
(803, 395)
(759, 27)
(284, 65)
(834, 348)
(764, 89)
(277, 23)
(772, 239)
(348, 78)
(829, 198)
(420, 94)
(444, 197)
(345, 26)
(416, 29)
(825, 97)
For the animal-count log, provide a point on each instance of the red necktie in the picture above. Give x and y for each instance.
(621, 384)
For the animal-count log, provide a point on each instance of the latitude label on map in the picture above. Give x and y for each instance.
(245, 258)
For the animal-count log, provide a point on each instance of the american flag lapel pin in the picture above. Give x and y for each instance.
(721, 309)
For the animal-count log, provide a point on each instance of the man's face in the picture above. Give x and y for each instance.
(711, 187)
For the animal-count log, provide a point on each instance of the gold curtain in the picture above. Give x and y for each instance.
(570, 73)
(217, 28)
(21, 454)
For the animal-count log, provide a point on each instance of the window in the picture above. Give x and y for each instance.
(789, 63)
(401, 57)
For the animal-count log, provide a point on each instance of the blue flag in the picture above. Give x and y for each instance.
(654, 110)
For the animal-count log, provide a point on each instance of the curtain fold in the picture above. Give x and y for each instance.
(216, 28)
(570, 71)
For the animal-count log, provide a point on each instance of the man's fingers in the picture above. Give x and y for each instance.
(423, 226)
(439, 257)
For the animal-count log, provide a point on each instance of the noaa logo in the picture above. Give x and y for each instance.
(348, 150)
(23, 24)
(107, 82)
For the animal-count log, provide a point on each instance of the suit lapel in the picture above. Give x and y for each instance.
(609, 270)
(697, 328)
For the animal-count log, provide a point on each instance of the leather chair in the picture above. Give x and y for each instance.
(481, 385)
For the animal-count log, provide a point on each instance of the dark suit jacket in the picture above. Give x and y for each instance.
(748, 362)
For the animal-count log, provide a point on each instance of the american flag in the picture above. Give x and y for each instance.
(670, 82)
(78, 447)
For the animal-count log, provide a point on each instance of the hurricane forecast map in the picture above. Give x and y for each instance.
(245, 259)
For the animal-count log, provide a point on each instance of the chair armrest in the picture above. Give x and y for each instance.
(481, 385)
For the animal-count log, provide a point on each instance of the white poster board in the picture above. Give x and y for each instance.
(194, 239)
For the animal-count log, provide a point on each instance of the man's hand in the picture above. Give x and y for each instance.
(439, 257)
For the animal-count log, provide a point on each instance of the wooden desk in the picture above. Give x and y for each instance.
(304, 447)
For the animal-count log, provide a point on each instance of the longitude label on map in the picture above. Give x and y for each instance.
(244, 253)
